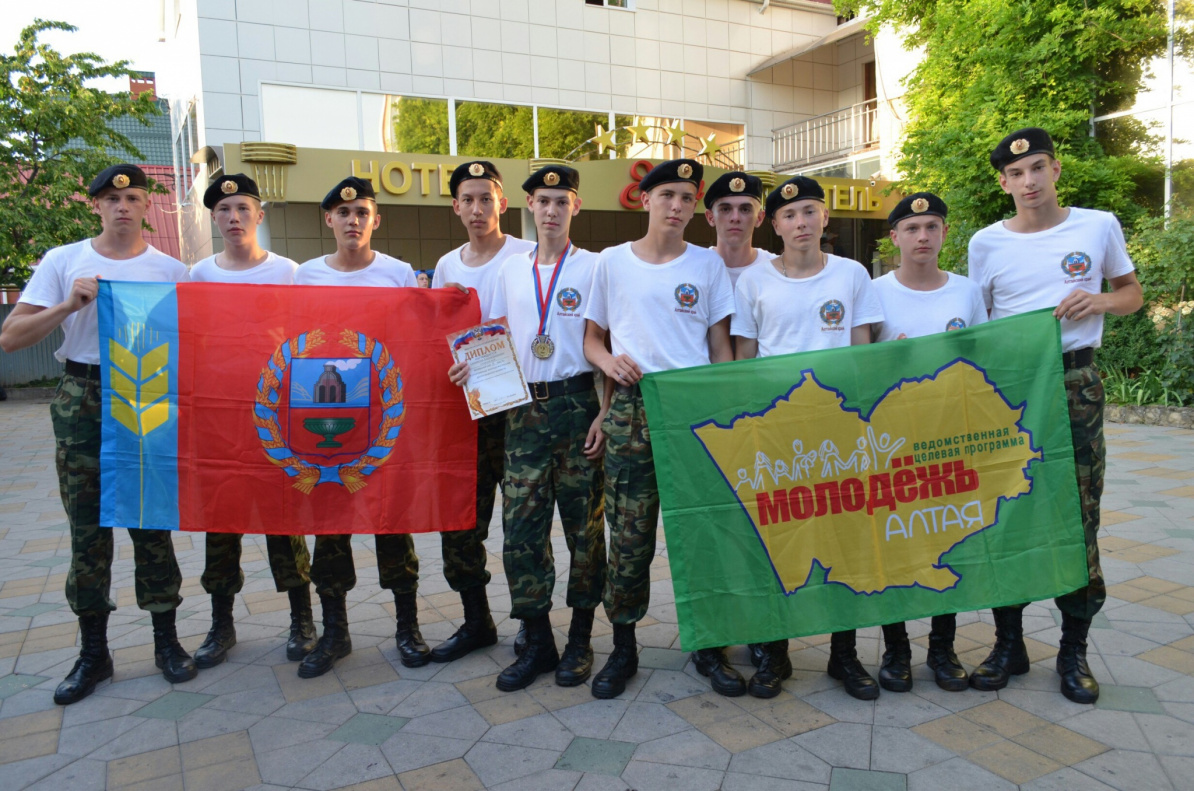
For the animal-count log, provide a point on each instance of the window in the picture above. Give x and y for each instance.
(420, 125)
(627, 4)
(494, 130)
(562, 133)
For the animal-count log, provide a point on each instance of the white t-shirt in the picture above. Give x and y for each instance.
(788, 315)
(274, 270)
(452, 269)
(514, 296)
(660, 314)
(384, 271)
(956, 305)
(55, 275)
(735, 272)
(1019, 272)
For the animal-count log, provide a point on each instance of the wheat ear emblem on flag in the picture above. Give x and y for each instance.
(140, 381)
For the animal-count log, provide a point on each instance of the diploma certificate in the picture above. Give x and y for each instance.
(495, 381)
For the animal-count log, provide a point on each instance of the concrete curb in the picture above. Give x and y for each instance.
(30, 393)
(1170, 416)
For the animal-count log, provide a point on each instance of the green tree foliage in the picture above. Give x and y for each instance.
(55, 135)
(992, 66)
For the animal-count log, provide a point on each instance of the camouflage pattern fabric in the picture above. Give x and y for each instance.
(335, 574)
(289, 561)
(75, 413)
(632, 508)
(1084, 389)
(464, 550)
(546, 466)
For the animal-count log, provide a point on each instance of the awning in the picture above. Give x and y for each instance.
(855, 25)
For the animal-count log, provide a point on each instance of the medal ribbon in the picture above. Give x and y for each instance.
(543, 301)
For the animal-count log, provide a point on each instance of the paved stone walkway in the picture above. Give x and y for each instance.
(373, 725)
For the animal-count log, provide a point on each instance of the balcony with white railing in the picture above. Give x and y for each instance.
(826, 137)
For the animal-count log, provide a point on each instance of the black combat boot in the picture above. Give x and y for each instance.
(1008, 657)
(895, 672)
(94, 663)
(576, 665)
(302, 624)
(845, 667)
(621, 665)
(520, 639)
(412, 650)
(170, 657)
(757, 652)
(478, 630)
(335, 643)
(947, 670)
(221, 636)
(539, 656)
(1077, 682)
(712, 663)
(774, 667)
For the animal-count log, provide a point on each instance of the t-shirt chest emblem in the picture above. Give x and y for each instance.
(687, 295)
(956, 323)
(1076, 265)
(832, 313)
(568, 299)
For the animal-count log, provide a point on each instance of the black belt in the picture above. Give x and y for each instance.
(82, 370)
(542, 391)
(630, 390)
(1078, 358)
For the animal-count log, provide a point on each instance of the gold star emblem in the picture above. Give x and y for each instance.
(228, 187)
(604, 139)
(638, 132)
(675, 135)
(120, 181)
(476, 170)
(1019, 146)
(737, 185)
(788, 191)
(348, 193)
(708, 146)
(684, 171)
(919, 205)
(551, 179)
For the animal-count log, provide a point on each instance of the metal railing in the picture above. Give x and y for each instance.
(824, 137)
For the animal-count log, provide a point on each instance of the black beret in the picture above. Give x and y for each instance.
(559, 177)
(352, 188)
(734, 183)
(478, 169)
(672, 171)
(917, 204)
(119, 177)
(792, 190)
(227, 186)
(1019, 144)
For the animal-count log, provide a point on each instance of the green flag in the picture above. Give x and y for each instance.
(811, 493)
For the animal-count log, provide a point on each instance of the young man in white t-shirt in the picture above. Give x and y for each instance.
(235, 204)
(478, 200)
(350, 210)
(663, 304)
(62, 293)
(1047, 256)
(553, 444)
(734, 209)
(803, 300)
(920, 299)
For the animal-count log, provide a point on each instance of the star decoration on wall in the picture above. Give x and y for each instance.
(638, 132)
(603, 139)
(709, 146)
(675, 135)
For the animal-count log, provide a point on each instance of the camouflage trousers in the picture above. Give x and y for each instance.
(1084, 392)
(546, 467)
(289, 561)
(332, 568)
(76, 412)
(631, 507)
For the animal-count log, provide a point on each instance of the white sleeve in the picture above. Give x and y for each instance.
(743, 324)
(46, 288)
(723, 294)
(978, 310)
(597, 311)
(438, 276)
(977, 272)
(408, 275)
(867, 307)
(1117, 263)
(497, 302)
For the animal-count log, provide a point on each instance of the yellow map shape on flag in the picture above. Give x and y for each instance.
(876, 500)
